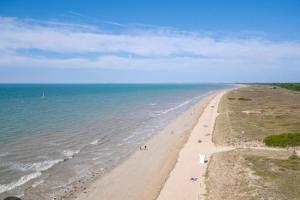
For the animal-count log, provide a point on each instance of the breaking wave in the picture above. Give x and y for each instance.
(38, 166)
(162, 112)
(94, 142)
(24, 179)
(70, 153)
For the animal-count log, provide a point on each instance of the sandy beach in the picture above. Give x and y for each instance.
(144, 173)
(189, 173)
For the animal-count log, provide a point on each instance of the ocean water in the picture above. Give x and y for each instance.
(52, 135)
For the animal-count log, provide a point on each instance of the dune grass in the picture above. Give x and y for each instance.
(268, 174)
(289, 86)
(269, 112)
(283, 140)
(278, 177)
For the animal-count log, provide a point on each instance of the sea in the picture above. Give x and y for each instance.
(52, 135)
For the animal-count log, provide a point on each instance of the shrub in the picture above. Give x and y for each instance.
(244, 99)
(283, 140)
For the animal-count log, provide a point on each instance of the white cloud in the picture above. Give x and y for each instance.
(147, 49)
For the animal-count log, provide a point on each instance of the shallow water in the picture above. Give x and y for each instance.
(52, 135)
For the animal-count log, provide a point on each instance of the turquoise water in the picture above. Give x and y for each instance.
(85, 128)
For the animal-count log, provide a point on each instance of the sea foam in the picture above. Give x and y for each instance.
(70, 153)
(161, 112)
(24, 179)
(94, 142)
(37, 166)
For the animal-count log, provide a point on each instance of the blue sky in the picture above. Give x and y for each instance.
(149, 41)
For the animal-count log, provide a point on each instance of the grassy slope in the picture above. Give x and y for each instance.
(253, 175)
(256, 174)
(252, 113)
(278, 178)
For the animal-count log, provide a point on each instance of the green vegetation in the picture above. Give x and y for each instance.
(289, 86)
(269, 111)
(283, 140)
(240, 98)
(244, 99)
(295, 157)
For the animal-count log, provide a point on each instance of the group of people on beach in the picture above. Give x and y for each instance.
(143, 147)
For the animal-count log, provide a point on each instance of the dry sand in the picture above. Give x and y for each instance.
(143, 174)
(179, 184)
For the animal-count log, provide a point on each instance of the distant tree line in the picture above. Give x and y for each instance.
(289, 86)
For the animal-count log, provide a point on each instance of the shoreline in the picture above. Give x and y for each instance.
(143, 174)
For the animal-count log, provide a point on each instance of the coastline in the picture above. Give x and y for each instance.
(143, 174)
